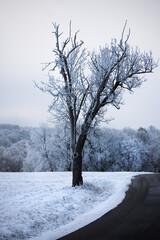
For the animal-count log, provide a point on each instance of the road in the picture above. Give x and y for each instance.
(136, 218)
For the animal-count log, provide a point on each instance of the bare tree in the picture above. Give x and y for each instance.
(84, 84)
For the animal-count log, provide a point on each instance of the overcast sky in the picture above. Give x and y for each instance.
(27, 41)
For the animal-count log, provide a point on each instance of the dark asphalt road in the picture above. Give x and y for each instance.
(136, 218)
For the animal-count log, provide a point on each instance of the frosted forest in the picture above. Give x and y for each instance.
(47, 149)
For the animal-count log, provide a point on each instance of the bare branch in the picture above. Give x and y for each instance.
(47, 65)
(121, 41)
(82, 102)
(75, 46)
(123, 30)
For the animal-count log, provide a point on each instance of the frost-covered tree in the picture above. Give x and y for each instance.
(93, 151)
(84, 84)
(2, 159)
(39, 151)
(130, 156)
(99, 150)
(11, 158)
(10, 134)
(62, 149)
(143, 135)
(154, 149)
(48, 150)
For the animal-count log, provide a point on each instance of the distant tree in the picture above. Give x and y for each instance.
(131, 155)
(143, 135)
(49, 150)
(2, 159)
(154, 149)
(84, 84)
(10, 134)
(62, 148)
(39, 151)
(92, 154)
(11, 158)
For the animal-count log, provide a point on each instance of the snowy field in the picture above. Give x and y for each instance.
(42, 206)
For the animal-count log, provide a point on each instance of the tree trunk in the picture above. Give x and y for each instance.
(77, 170)
(77, 159)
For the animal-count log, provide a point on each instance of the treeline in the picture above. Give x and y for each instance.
(48, 149)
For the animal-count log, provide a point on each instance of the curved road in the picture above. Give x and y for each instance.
(136, 218)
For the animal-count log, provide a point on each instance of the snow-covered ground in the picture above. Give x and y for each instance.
(44, 205)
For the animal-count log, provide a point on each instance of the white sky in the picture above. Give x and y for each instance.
(27, 41)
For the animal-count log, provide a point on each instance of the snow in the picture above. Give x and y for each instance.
(40, 206)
